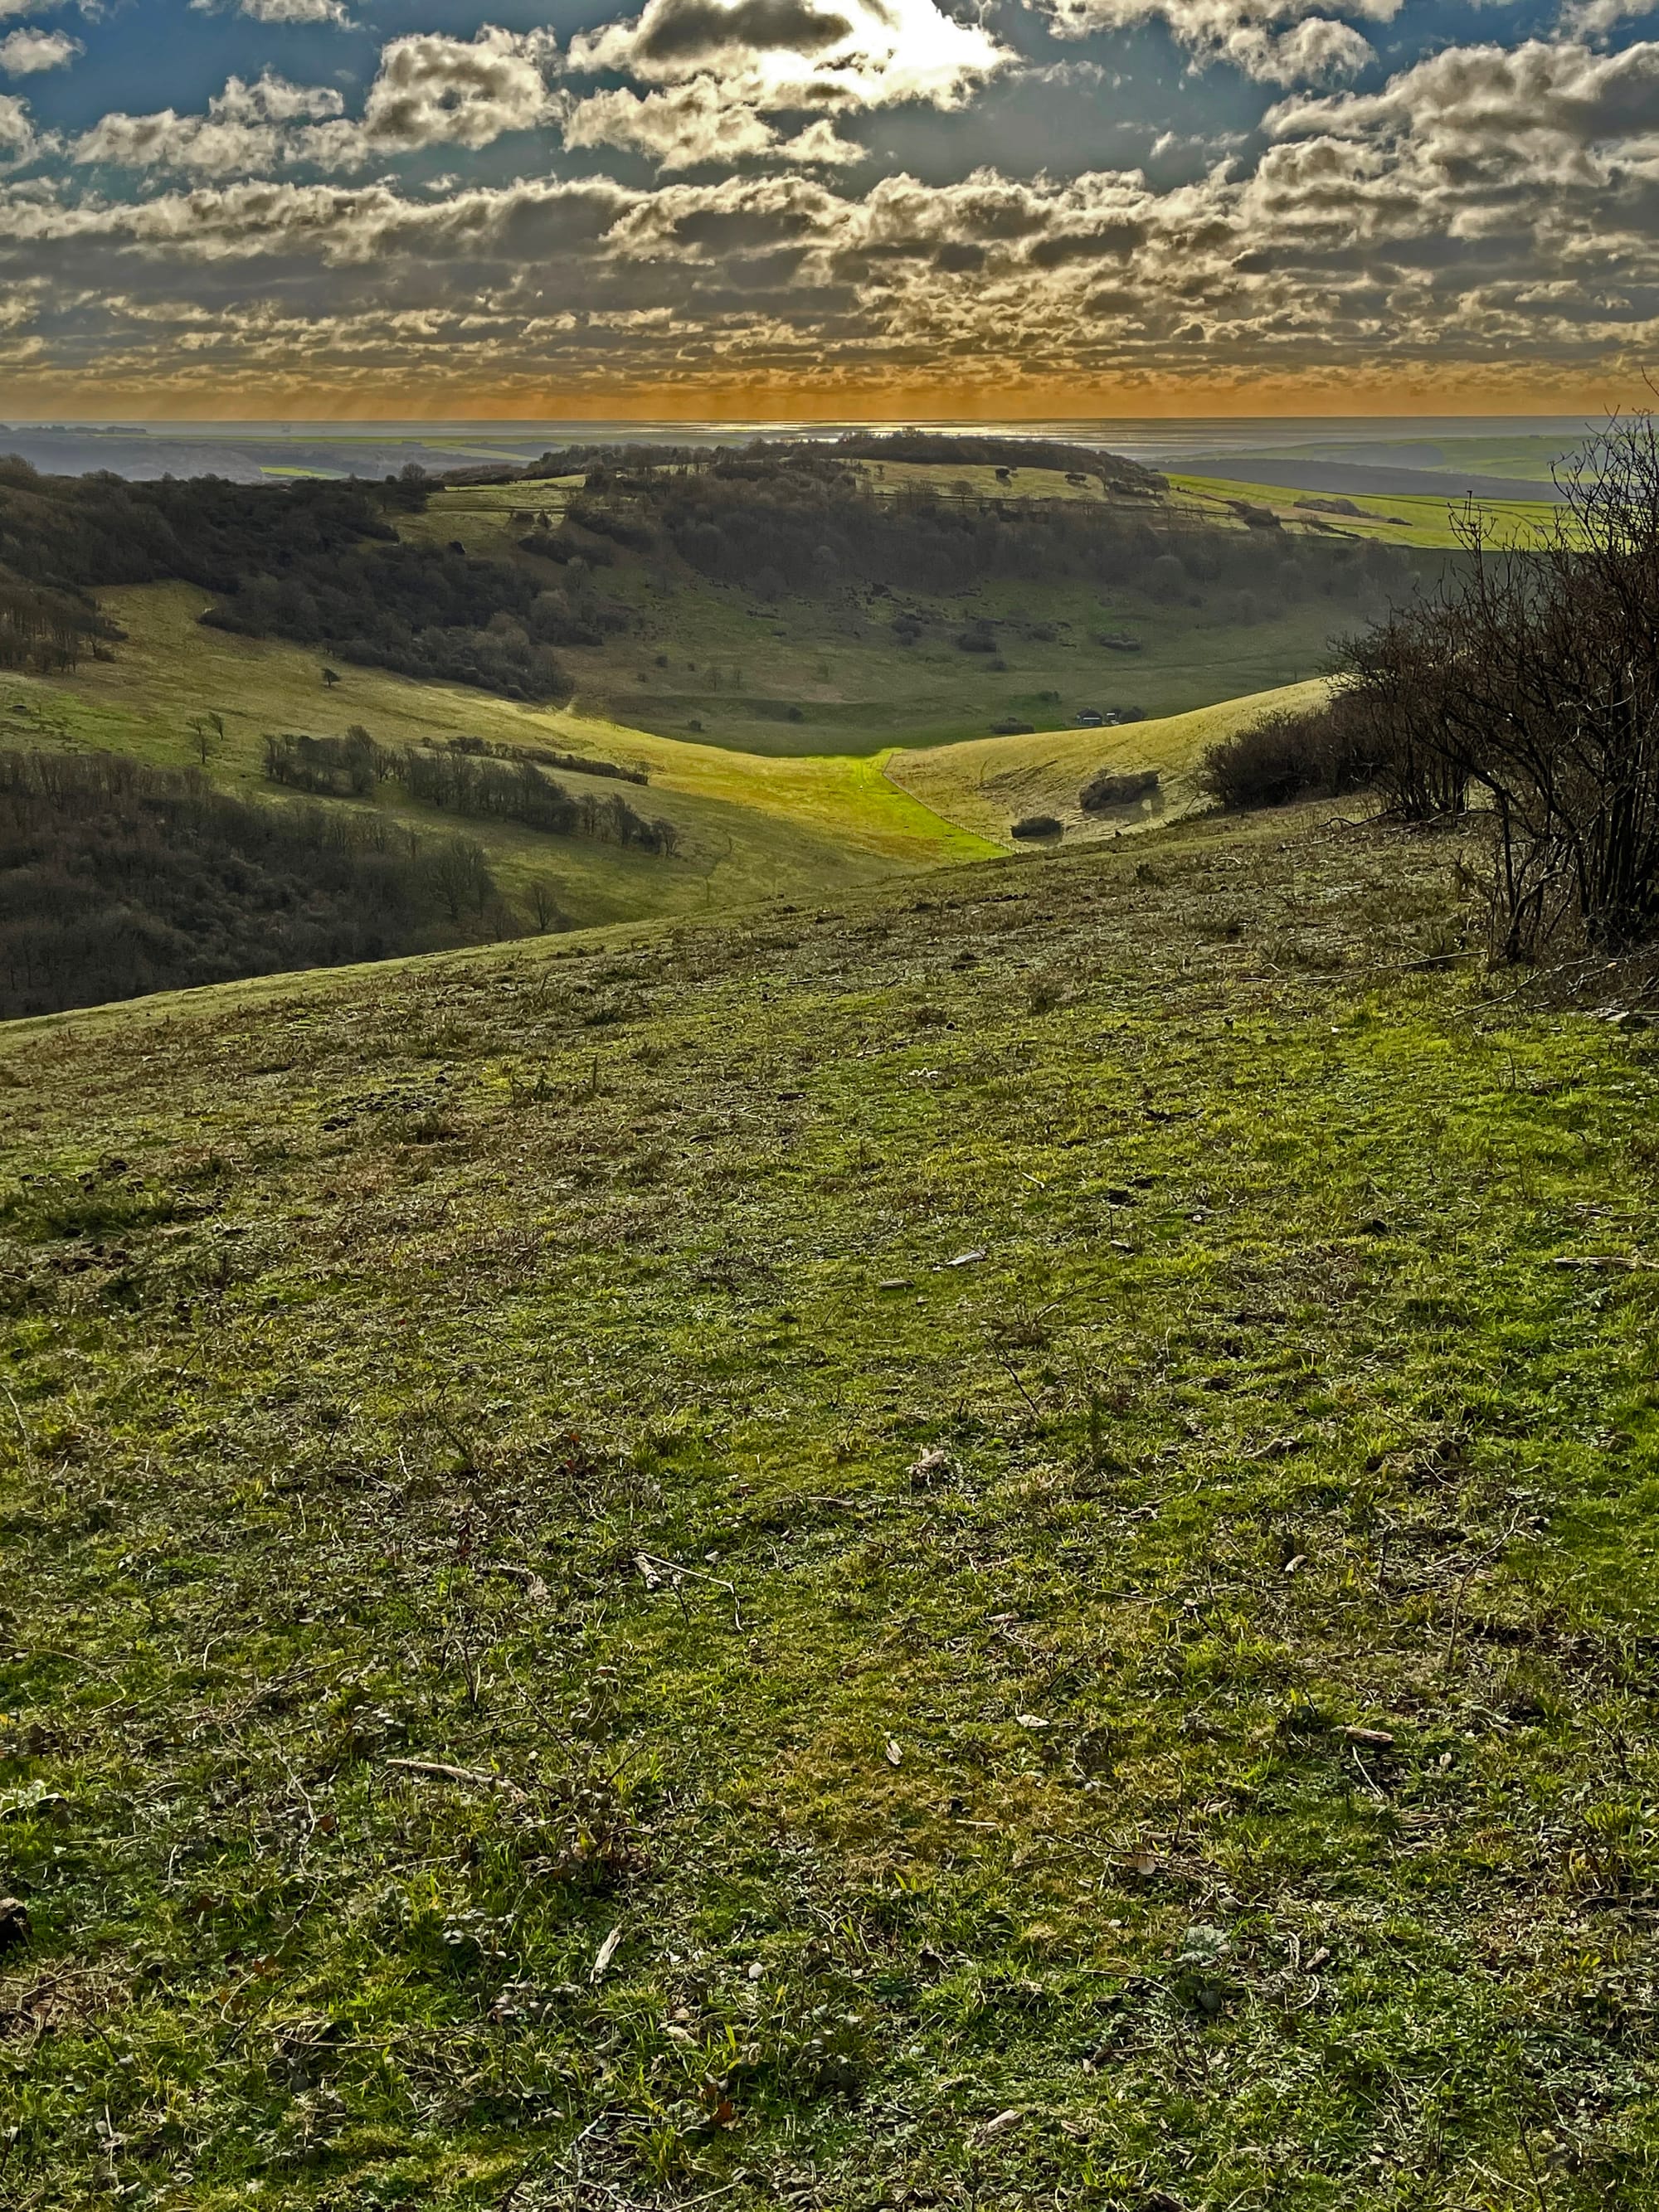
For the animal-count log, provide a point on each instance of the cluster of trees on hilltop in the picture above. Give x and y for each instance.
(945, 449)
(88, 532)
(318, 563)
(781, 518)
(813, 527)
(932, 448)
(116, 879)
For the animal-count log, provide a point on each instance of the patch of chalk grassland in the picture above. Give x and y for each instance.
(986, 1543)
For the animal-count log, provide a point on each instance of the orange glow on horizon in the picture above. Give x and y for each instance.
(1474, 390)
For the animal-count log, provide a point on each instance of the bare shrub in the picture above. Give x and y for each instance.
(1318, 753)
(1531, 683)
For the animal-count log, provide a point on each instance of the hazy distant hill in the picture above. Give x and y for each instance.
(1364, 480)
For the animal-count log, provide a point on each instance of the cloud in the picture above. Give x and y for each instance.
(820, 142)
(246, 127)
(1588, 18)
(1472, 121)
(1318, 51)
(433, 90)
(1274, 41)
(294, 11)
(25, 53)
(1488, 205)
(429, 90)
(694, 124)
(280, 11)
(18, 142)
(801, 54)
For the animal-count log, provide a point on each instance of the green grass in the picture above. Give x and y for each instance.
(894, 1445)
(1425, 524)
(829, 676)
(752, 827)
(989, 785)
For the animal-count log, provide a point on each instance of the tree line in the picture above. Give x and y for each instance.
(319, 563)
(462, 778)
(116, 879)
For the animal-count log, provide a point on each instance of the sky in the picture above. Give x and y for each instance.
(885, 210)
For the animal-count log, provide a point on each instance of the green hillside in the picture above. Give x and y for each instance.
(753, 826)
(982, 1543)
(989, 784)
(829, 676)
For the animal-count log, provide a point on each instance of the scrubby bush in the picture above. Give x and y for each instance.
(1531, 683)
(1315, 752)
(1109, 789)
(1037, 826)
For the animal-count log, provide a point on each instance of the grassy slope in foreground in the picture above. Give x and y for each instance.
(753, 826)
(1030, 1513)
(987, 785)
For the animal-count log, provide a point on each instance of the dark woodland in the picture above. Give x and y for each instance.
(116, 879)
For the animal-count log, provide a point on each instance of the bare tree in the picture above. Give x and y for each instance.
(1531, 683)
(209, 731)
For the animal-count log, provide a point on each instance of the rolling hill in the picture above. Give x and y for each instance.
(988, 784)
(753, 825)
(746, 658)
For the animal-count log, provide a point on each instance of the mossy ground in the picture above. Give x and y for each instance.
(1027, 1502)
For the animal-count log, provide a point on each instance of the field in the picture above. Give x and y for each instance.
(1423, 524)
(988, 1544)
